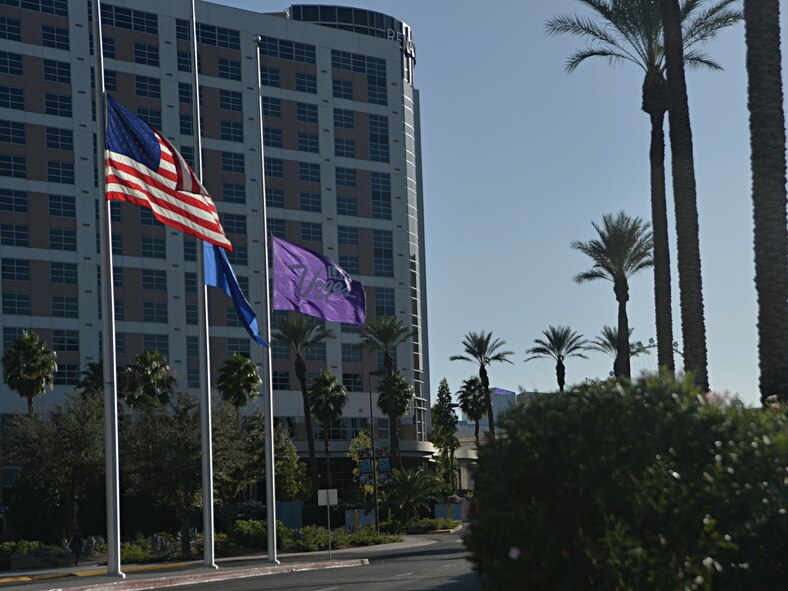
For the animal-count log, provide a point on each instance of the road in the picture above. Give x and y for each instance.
(440, 566)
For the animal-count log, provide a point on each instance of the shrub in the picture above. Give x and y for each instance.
(642, 486)
(253, 533)
(131, 552)
(311, 538)
(20, 548)
(367, 536)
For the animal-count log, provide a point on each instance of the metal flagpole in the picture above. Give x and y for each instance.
(270, 489)
(108, 314)
(203, 329)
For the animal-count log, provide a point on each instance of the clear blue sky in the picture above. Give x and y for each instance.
(518, 159)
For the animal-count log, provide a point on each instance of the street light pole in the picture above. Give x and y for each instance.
(372, 442)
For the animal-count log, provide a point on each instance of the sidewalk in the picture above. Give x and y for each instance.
(92, 577)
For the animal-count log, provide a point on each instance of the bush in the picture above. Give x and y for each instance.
(311, 538)
(20, 548)
(253, 533)
(643, 486)
(367, 536)
(418, 526)
(132, 552)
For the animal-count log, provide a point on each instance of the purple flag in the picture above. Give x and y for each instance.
(313, 284)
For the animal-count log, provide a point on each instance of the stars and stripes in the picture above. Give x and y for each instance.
(142, 167)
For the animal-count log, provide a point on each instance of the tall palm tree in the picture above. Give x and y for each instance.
(482, 349)
(302, 333)
(148, 380)
(394, 396)
(328, 398)
(29, 367)
(767, 142)
(623, 248)
(92, 382)
(239, 381)
(607, 342)
(471, 399)
(560, 343)
(693, 325)
(631, 31)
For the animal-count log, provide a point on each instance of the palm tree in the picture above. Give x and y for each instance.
(767, 141)
(302, 333)
(623, 248)
(394, 396)
(482, 349)
(693, 325)
(328, 397)
(607, 342)
(92, 382)
(560, 343)
(631, 31)
(148, 380)
(238, 381)
(471, 398)
(29, 367)
(408, 491)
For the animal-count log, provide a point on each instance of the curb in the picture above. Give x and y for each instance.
(445, 531)
(95, 573)
(215, 576)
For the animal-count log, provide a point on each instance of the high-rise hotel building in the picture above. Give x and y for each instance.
(342, 161)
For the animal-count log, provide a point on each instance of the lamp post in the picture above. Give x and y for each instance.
(377, 372)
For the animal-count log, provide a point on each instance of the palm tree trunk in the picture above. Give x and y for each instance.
(300, 368)
(767, 142)
(560, 375)
(30, 407)
(394, 436)
(622, 345)
(488, 403)
(476, 434)
(693, 325)
(326, 428)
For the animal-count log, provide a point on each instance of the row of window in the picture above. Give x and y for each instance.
(60, 306)
(56, 7)
(16, 167)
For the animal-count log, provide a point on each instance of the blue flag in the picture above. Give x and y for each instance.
(219, 273)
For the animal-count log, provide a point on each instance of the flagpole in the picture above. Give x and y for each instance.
(270, 487)
(108, 314)
(203, 329)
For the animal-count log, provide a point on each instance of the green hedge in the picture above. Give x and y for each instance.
(644, 486)
(253, 533)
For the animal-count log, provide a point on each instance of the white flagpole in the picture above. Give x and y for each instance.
(108, 314)
(270, 488)
(203, 329)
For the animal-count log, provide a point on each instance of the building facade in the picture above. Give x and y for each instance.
(341, 156)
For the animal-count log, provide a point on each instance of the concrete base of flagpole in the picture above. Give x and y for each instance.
(210, 566)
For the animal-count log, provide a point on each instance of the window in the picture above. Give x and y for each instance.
(13, 235)
(148, 86)
(269, 76)
(16, 269)
(317, 352)
(192, 377)
(232, 131)
(12, 98)
(126, 18)
(63, 273)
(272, 107)
(345, 177)
(308, 142)
(272, 136)
(309, 172)
(347, 235)
(55, 71)
(10, 29)
(191, 314)
(146, 54)
(376, 90)
(12, 132)
(232, 193)
(274, 197)
(64, 307)
(65, 340)
(189, 249)
(218, 36)
(344, 148)
(280, 350)
(154, 312)
(239, 256)
(12, 200)
(280, 380)
(384, 301)
(276, 227)
(13, 166)
(229, 69)
(182, 29)
(306, 112)
(117, 243)
(156, 342)
(62, 206)
(67, 374)
(11, 63)
(59, 139)
(231, 316)
(382, 253)
(184, 61)
(185, 93)
(306, 83)
(378, 138)
(150, 116)
(188, 154)
(109, 45)
(274, 167)
(232, 162)
(60, 172)
(342, 89)
(186, 124)
(343, 118)
(190, 282)
(62, 239)
(110, 80)
(239, 346)
(153, 248)
(192, 346)
(311, 232)
(310, 201)
(352, 382)
(380, 194)
(347, 205)
(154, 279)
(16, 304)
(287, 50)
(234, 223)
(230, 100)
(350, 264)
(350, 353)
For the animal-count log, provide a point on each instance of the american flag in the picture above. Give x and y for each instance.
(142, 167)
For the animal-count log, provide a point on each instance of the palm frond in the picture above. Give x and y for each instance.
(614, 57)
(696, 60)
